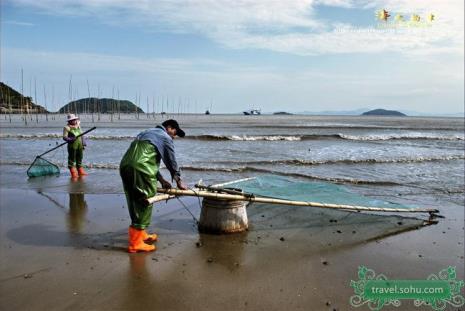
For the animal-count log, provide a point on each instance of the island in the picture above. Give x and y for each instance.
(100, 105)
(383, 112)
(12, 101)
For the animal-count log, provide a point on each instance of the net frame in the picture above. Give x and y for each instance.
(42, 167)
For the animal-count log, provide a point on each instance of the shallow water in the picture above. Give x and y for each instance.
(384, 153)
(291, 257)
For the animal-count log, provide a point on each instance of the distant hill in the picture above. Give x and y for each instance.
(355, 112)
(282, 113)
(100, 105)
(383, 112)
(12, 101)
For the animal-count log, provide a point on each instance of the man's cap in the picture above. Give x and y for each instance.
(71, 117)
(174, 124)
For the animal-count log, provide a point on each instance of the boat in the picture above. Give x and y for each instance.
(252, 112)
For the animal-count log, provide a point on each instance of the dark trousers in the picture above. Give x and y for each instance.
(75, 157)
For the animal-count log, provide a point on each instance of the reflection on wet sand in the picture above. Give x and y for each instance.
(141, 290)
(77, 212)
(225, 250)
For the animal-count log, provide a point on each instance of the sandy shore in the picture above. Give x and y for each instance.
(67, 251)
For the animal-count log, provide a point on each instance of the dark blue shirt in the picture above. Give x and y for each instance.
(165, 148)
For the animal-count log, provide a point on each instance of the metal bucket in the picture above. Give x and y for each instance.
(223, 216)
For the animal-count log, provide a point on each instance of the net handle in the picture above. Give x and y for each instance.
(62, 144)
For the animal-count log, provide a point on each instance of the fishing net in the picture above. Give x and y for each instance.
(318, 225)
(291, 189)
(42, 167)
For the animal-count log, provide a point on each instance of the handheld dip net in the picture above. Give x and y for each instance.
(43, 167)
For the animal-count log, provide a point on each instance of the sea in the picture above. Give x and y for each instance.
(418, 160)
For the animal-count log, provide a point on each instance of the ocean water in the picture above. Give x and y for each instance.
(395, 158)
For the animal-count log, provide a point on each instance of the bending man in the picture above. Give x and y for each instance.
(139, 170)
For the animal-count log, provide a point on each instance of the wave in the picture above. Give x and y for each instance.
(359, 127)
(251, 169)
(296, 162)
(412, 136)
(343, 161)
(89, 165)
(59, 136)
(375, 137)
(246, 137)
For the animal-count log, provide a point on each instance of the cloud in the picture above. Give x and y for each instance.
(233, 85)
(284, 26)
(17, 23)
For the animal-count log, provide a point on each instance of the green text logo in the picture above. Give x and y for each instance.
(437, 291)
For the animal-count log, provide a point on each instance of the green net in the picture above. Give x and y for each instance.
(291, 189)
(42, 167)
(319, 226)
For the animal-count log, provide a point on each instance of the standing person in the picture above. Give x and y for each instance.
(139, 170)
(75, 146)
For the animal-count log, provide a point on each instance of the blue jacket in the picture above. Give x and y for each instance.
(165, 148)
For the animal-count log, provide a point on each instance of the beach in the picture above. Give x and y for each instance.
(63, 243)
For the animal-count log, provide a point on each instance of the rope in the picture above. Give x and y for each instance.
(198, 197)
(185, 207)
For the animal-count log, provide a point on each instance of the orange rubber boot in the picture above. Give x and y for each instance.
(149, 237)
(136, 242)
(82, 172)
(74, 173)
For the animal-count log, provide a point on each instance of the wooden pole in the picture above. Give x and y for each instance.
(92, 108)
(35, 100)
(98, 102)
(213, 195)
(22, 97)
(112, 102)
(45, 103)
(9, 105)
(232, 182)
(119, 107)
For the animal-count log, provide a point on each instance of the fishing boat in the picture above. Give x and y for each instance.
(252, 112)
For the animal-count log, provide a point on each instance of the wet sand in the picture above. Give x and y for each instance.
(62, 249)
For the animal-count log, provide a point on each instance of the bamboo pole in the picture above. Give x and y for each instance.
(22, 97)
(163, 197)
(90, 99)
(98, 102)
(213, 195)
(45, 103)
(35, 100)
(232, 182)
(9, 105)
(119, 107)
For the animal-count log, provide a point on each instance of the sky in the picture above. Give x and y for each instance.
(294, 55)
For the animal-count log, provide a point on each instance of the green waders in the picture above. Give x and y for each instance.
(138, 170)
(75, 149)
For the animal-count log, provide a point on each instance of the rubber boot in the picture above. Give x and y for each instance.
(136, 241)
(148, 238)
(74, 173)
(82, 172)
